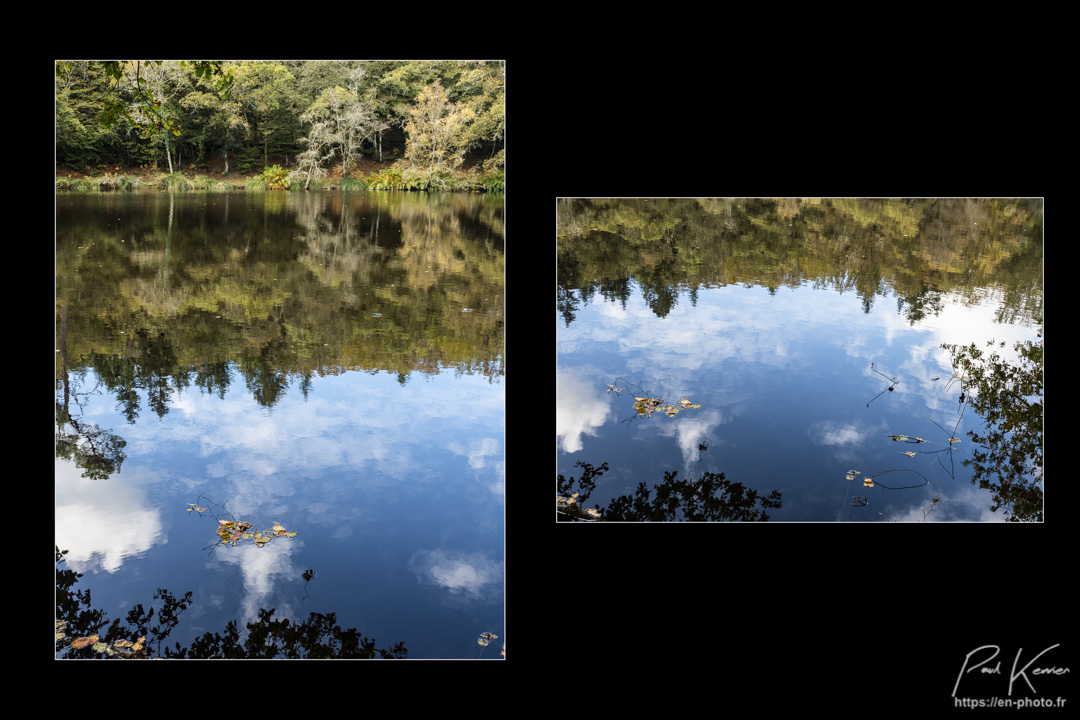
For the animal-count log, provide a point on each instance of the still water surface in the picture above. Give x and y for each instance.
(788, 322)
(327, 362)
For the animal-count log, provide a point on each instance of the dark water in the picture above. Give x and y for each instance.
(325, 364)
(814, 336)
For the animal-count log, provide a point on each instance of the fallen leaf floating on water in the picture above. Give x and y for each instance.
(952, 440)
(232, 531)
(868, 482)
(905, 438)
(84, 641)
(909, 454)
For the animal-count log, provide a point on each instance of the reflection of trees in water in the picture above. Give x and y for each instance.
(98, 452)
(1008, 458)
(919, 249)
(709, 498)
(317, 637)
(370, 282)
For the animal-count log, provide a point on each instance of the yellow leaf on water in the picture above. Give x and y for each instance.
(909, 454)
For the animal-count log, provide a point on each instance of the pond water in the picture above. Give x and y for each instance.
(791, 342)
(322, 370)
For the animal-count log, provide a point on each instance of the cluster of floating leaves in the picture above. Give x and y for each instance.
(120, 648)
(868, 481)
(232, 531)
(572, 500)
(648, 405)
(486, 638)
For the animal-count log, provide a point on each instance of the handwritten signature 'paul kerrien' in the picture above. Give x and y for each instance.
(996, 669)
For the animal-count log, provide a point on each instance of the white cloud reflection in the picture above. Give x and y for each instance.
(103, 522)
(580, 408)
(468, 577)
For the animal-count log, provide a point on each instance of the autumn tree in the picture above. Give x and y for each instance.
(437, 131)
(320, 149)
(341, 122)
(482, 87)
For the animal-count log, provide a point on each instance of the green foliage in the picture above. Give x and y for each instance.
(351, 183)
(251, 113)
(276, 178)
(82, 185)
(128, 182)
(250, 158)
(493, 181)
(396, 178)
(176, 181)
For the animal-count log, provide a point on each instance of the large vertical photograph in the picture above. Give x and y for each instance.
(279, 359)
(800, 360)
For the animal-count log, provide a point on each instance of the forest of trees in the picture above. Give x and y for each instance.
(417, 124)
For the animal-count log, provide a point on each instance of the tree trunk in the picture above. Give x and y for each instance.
(168, 154)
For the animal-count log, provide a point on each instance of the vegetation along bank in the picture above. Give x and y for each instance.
(280, 125)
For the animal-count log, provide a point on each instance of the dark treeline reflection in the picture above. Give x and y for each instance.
(156, 293)
(919, 249)
(710, 498)
(83, 631)
(1008, 459)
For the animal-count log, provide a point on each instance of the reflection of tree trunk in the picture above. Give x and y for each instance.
(63, 355)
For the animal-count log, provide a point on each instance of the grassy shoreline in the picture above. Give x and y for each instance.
(368, 175)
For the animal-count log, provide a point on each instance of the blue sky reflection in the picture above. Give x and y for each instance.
(784, 381)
